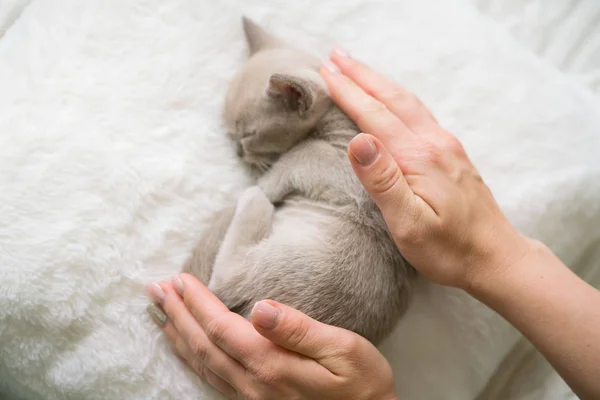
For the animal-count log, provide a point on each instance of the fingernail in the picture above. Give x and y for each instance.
(363, 149)
(264, 315)
(331, 67)
(178, 284)
(157, 314)
(156, 292)
(340, 52)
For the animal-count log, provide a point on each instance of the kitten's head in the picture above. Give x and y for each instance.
(275, 100)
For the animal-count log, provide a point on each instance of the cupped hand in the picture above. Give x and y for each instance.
(280, 354)
(439, 211)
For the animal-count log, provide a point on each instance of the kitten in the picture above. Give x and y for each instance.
(307, 235)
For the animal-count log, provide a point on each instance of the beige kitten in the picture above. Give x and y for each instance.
(307, 235)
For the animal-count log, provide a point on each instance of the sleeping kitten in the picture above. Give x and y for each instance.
(307, 235)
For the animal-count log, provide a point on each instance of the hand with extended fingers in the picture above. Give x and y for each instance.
(280, 354)
(429, 192)
(445, 222)
(425, 186)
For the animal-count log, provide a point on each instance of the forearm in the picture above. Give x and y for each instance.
(556, 310)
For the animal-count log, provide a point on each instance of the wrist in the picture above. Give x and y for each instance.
(504, 263)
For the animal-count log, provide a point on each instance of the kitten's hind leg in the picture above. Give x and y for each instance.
(200, 264)
(250, 224)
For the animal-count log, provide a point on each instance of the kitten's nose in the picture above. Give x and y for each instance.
(240, 150)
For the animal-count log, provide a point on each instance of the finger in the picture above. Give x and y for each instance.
(368, 113)
(201, 349)
(185, 353)
(397, 99)
(382, 178)
(230, 332)
(295, 331)
(213, 380)
(239, 339)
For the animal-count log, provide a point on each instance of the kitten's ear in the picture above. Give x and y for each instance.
(258, 39)
(295, 94)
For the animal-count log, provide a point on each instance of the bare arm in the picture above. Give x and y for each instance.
(436, 200)
(447, 225)
(556, 310)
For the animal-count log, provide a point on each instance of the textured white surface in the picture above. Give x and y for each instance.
(9, 12)
(112, 155)
(564, 32)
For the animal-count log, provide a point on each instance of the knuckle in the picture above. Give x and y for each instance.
(404, 100)
(181, 347)
(409, 233)
(215, 330)
(194, 363)
(432, 154)
(361, 118)
(370, 109)
(414, 111)
(396, 95)
(386, 179)
(213, 380)
(352, 69)
(296, 333)
(373, 106)
(256, 366)
(268, 376)
(356, 68)
(349, 347)
(200, 370)
(452, 144)
(409, 106)
(199, 348)
(352, 343)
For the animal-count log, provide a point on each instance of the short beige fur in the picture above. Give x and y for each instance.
(307, 235)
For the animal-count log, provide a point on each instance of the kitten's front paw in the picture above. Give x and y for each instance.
(273, 190)
(253, 199)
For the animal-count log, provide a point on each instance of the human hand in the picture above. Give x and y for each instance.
(280, 354)
(439, 211)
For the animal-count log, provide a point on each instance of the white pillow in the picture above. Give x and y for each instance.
(112, 156)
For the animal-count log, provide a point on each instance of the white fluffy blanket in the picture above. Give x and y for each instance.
(112, 156)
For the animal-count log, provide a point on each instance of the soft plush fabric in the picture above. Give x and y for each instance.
(112, 155)
(9, 12)
(565, 33)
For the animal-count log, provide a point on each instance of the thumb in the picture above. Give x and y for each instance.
(380, 175)
(295, 331)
